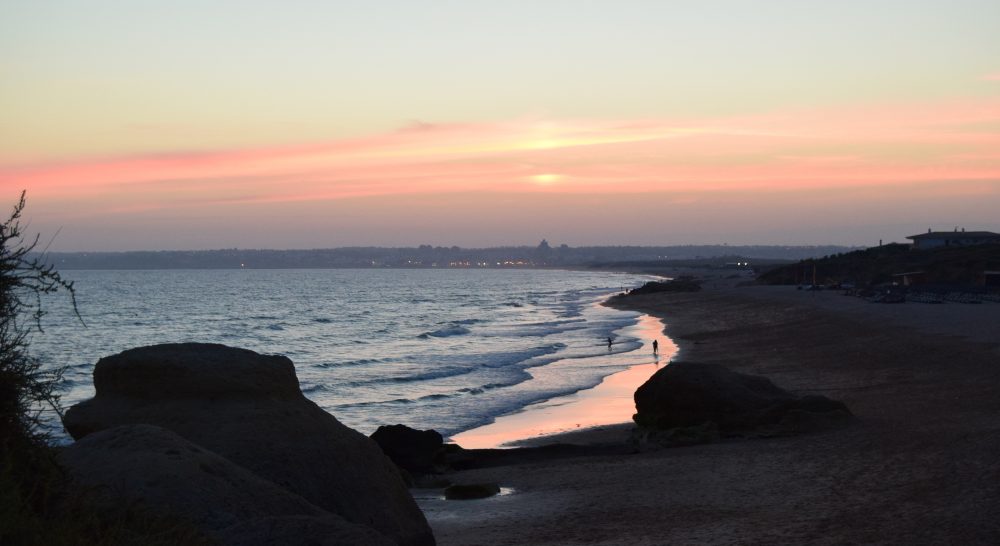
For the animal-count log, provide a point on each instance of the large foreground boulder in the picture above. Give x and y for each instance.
(170, 475)
(248, 408)
(690, 395)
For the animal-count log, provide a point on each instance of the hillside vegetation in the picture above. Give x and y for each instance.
(944, 265)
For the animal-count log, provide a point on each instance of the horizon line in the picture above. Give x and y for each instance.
(452, 247)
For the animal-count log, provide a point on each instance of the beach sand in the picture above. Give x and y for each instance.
(920, 465)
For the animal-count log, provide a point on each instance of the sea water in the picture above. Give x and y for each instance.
(444, 349)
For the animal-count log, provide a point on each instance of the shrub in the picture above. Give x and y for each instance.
(38, 504)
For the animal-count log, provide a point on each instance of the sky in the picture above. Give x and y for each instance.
(307, 124)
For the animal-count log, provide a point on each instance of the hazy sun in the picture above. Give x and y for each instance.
(546, 179)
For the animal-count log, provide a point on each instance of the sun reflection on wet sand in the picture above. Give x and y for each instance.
(608, 403)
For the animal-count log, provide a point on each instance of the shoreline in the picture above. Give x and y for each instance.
(918, 465)
(552, 421)
(607, 403)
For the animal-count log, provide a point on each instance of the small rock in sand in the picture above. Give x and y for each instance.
(471, 491)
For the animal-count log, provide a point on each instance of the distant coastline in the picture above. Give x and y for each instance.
(428, 257)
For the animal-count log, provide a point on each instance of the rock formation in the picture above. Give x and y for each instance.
(471, 491)
(170, 475)
(248, 408)
(689, 394)
(416, 451)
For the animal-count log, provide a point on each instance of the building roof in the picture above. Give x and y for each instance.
(952, 235)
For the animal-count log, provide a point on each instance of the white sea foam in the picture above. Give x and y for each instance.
(453, 330)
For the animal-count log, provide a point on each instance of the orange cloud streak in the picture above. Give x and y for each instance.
(819, 149)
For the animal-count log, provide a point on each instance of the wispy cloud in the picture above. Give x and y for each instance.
(884, 145)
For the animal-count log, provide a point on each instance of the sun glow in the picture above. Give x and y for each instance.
(546, 179)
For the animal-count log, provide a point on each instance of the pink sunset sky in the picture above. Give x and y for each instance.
(820, 130)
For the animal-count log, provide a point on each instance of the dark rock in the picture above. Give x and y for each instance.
(196, 370)
(471, 491)
(248, 408)
(414, 450)
(680, 284)
(689, 394)
(170, 475)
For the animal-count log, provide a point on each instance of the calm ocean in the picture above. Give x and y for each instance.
(443, 349)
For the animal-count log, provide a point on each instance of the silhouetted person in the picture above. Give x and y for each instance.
(656, 346)
(609, 343)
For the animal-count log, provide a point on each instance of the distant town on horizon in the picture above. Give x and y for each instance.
(427, 256)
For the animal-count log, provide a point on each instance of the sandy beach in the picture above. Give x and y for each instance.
(919, 465)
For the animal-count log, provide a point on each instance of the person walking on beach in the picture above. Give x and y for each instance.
(656, 346)
(609, 343)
